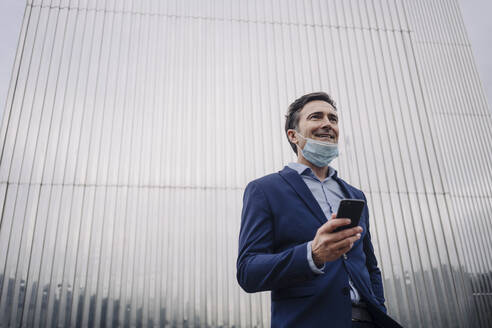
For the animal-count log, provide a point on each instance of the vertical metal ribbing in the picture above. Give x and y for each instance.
(475, 136)
(342, 88)
(232, 306)
(9, 135)
(158, 102)
(305, 58)
(361, 105)
(409, 202)
(99, 293)
(259, 13)
(437, 182)
(86, 305)
(197, 293)
(251, 314)
(267, 95)
(373, 192)
(9, 293)
(435, 285)
(115, 306)
(18, 64)
(71, 250)
(153, 294)
(12, 126)
(483, 134)
(167, 236)
(389, 209)
(142, 216)
(223, 252)
(313, 36)
(331, 29)
(92, 196)
(456, 283)
(362, 124)
(481, 167)
(123, 312)
(382, 208)
(456, 175)
(412, 56)
(53, 289)
(445, 191)
(398, 161)
(472, 172)
(189, 231)
(392, 197)
(61, 150)
(103, 284)
(476, 168)
(28, 162)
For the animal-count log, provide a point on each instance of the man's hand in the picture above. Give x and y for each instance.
(328, 245)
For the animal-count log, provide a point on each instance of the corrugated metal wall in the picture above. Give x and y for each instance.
(461, 129)
(132, 127)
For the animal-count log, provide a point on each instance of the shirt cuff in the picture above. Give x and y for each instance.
(312, 265)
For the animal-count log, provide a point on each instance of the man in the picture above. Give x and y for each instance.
(287, 243)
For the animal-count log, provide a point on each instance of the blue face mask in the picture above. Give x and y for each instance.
(319, 153)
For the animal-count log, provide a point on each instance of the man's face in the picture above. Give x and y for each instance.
(317, 120)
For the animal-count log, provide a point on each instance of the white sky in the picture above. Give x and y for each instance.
(476, 14)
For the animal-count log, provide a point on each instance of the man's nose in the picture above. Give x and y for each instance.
(325, 122)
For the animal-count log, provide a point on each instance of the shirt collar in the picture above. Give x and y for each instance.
(306, 170)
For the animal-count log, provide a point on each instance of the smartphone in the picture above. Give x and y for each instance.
(350, 209)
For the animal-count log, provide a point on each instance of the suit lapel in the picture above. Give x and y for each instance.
(295, 181)
(346, 190)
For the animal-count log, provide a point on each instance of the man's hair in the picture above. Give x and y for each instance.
(292, 117)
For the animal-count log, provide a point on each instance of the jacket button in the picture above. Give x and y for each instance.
(345, 291)
(345, 256)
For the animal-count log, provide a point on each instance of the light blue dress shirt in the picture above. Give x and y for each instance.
(328, 194)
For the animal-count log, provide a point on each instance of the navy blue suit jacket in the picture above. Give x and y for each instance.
(280, 216)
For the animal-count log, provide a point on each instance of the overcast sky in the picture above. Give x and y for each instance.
(476, 14)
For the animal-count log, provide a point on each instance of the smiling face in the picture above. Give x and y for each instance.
(318, 120)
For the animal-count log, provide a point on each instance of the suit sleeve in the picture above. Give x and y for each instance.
(372, 265)
(258, 267)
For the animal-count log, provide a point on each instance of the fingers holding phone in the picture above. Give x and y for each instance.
(338, 235)
(329, 245)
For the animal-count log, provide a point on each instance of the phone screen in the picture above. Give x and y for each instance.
(350, 209)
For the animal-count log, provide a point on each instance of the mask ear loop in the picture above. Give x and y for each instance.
(303, 137)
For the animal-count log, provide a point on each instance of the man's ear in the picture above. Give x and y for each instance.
(292, 135)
